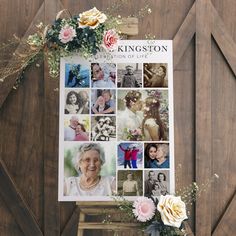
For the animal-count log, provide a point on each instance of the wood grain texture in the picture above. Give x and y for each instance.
(184, 35)
(51, 104)
(8, 83)
(16, 204)
(224, 40)
(227, 224)
(29, 116)
(203, 115)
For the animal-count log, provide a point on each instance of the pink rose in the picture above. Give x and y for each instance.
(110, 39)
(67, 34)
(144, 209)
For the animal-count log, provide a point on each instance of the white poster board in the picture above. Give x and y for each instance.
(116, 123)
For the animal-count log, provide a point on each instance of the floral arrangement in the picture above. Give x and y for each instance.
(164, 215)
(133, 134)
(86, 33)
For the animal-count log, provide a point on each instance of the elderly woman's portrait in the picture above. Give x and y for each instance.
(76, 75)
(89, 169)
(130, 183)
(155, 75)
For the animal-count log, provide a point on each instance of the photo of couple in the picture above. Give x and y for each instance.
(156, 183)
(75, 128)
(143, 115)
(130, 155)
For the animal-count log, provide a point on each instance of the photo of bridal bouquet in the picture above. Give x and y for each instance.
(134, 134)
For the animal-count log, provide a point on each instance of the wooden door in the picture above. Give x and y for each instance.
(204, 34)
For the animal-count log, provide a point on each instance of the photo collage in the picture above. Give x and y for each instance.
(115, 131)
(116, 128)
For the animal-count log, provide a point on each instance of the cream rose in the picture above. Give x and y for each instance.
(172, 210)
(91, 18)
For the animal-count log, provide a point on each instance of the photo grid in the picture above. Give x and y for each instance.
(116, 130)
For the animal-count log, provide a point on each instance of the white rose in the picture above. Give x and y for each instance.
(91, 18)
(172, 210)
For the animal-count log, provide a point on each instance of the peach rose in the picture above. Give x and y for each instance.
(91, 18)
(172, 210)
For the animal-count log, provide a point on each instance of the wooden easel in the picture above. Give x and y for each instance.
(102, 209)
(128, 27)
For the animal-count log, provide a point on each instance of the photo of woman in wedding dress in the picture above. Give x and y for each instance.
(143, 115)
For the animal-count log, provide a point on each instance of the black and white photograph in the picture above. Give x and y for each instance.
(157, 183)
(129, 75)
(103, 128)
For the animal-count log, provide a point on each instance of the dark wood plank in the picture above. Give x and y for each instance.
(51, 104)
(227, 224)
(184, 35)
(203, 114)
(8, 83)
(72, 224)
(15, 202)
(224, 40)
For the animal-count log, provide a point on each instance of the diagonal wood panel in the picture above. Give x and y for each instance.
(8, 83)
(184, 35)
(203, 114)
(16, 204)
(224, 40)
(227, 224)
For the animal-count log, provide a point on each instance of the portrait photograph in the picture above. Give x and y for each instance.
(157, 182)
(129, 75)
(77, 101)
(130, 156)
(143, 115)
(76, 128)
(155, 75)
(130, 183)
(156, 155)
(103, 128)
(89, 169)
(77, 75)
(103, 75)
(103, 101)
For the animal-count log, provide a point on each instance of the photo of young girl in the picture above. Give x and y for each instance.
(77, 101)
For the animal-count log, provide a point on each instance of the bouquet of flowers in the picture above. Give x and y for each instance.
(134, 134)
(158, 218)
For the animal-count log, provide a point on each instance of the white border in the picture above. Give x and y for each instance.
(118, 57)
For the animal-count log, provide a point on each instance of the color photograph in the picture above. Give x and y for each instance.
(130, 156)
(143, 115)
(76, 75)
(89, 169)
